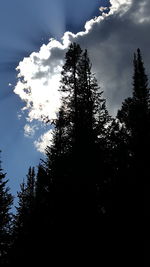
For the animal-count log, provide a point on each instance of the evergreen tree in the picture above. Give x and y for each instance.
(6, 201)
(84, 108)
(26, 200)
(23, 228)
(79, 132)
(42, 184)
(59, 153)
(30, 190)
(44, 197)
(21, 215)
(135, 114)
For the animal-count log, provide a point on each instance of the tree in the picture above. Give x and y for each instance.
(26, 201)
(30, 190)
(135, 115)
(6, 201)
(21, 216)
(24, 219)
(44, 199)
(75, 157)
(84, 108)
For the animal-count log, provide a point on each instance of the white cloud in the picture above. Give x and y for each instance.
(110, 39)
(103, 9)
(39, 74)
(43, 141)
(120, 6)
(38, 81)
(29, 130)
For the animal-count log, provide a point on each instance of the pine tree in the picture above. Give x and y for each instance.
(135, 110)
(26, 200)
(23, 226)
(42, 184)
(6, 201)
(44, 195)
(21, 216)
(30, 189)
(135, 114)
(84, 108)
(56, 153)
(79, 132)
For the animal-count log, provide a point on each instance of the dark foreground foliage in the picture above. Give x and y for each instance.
(92, 173)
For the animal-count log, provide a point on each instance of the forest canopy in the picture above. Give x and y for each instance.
(92, 167)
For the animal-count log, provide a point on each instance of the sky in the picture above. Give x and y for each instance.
(35, 35)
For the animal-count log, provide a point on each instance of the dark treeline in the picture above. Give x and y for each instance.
(92, 169)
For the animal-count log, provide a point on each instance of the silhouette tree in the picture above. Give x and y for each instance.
(30, 190)
(42, 186)
(84, 107)
(93, 163)
(6, 201)
(79, 131)
(21, 215)
(23, 232)
(26, 198)
(135, 115)
(44, 200)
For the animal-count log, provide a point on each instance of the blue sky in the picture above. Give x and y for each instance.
(24, 27)
(111, 39)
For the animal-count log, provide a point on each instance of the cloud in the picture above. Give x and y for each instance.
(120, 6)
(111, 40)
(29, 130)
(103, 9)
(141, 12)
(39, 74)
(43, 141)
(38, 81)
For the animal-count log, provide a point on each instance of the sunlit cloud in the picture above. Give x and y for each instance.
(38, 81)
(102, 9)
(39, 74)
(110, 38)
(43, 141)
(120, 6)
(29, 130)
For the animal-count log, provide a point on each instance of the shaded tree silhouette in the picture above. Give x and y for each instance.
(6, 201)
(23, 233)
(93, 166)
(76, 155)
(135, 115)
